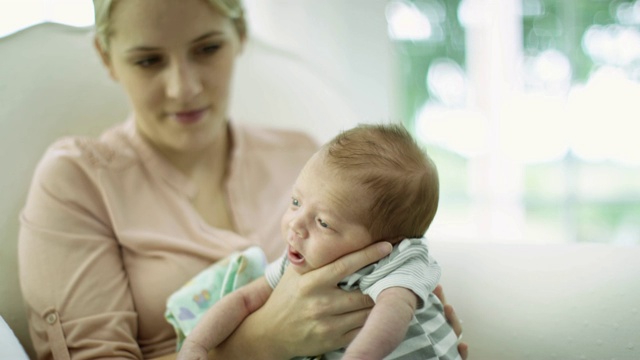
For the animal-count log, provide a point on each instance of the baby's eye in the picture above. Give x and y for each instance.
(295, 202)
(322, 223)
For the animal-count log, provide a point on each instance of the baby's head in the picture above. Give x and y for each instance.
(399, 178)
(368, 184)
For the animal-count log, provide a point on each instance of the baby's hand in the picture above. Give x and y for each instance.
(192, 351)
(354, 357)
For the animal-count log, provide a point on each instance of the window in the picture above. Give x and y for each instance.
(529, 109)
(19, 14)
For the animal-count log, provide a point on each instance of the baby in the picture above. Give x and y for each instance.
(370, 183)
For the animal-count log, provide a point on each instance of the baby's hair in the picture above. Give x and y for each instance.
(400, 177)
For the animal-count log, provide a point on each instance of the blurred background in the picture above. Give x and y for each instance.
(529, 107)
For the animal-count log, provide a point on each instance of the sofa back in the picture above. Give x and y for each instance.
(544, 302)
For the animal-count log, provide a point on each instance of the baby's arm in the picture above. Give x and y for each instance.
(386, 325)
(223, 318)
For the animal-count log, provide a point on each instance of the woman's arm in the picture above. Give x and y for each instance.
(386, 326)
(71, 271)
(223, 318)
(253, 339)
(305, 314)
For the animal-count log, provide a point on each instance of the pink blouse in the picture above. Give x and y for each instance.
(108, 233)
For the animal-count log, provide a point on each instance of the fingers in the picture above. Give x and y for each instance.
(348, 264)
(449, 313)
(463, 349)
(352, 301)
(440, 294)
(349, 336)
(452, 319)
(338, 331)
(351, 324)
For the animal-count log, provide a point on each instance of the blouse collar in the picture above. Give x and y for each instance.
(160, 166)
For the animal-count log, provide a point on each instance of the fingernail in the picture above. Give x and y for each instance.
(385, 247)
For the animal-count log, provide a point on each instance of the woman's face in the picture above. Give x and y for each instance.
(175, 60)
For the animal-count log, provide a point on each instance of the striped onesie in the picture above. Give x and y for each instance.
(409, 266)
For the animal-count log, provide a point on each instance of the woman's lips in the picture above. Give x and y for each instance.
(295, 257)
(189, 117)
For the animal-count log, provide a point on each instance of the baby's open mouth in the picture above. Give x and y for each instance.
(295, 257)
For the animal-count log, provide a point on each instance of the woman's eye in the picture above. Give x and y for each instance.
(148, 62)
(295, 202)
(322, 223)
(210, 49)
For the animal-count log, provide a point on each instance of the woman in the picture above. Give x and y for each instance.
(113, 226)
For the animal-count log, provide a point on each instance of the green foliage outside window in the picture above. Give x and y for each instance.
(416, 56)
(572, 198)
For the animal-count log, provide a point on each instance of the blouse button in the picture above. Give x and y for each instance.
(51, 318)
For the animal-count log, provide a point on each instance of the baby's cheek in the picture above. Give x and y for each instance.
(329, 254)
(284, 227)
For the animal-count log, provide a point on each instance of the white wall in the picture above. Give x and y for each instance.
(346, 41)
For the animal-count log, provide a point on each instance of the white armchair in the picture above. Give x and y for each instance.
(48, 88)
(517, 301)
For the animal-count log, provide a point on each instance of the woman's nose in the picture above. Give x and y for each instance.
(183, 81)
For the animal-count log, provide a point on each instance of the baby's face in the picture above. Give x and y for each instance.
(323, 221)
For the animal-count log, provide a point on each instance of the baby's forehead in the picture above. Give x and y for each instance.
(341, 188)
(349, 198)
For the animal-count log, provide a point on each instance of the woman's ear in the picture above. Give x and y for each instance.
(105, 57)
(243, 43)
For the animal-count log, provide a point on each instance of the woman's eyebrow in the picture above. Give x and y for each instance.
(206, 35)
(143, 48)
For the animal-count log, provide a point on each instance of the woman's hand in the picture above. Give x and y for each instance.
(453, 320)
(308, 314)
(319, 315)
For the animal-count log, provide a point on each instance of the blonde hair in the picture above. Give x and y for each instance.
(402, 180)
(103, 8)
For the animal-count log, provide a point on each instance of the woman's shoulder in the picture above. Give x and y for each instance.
(86, 154)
